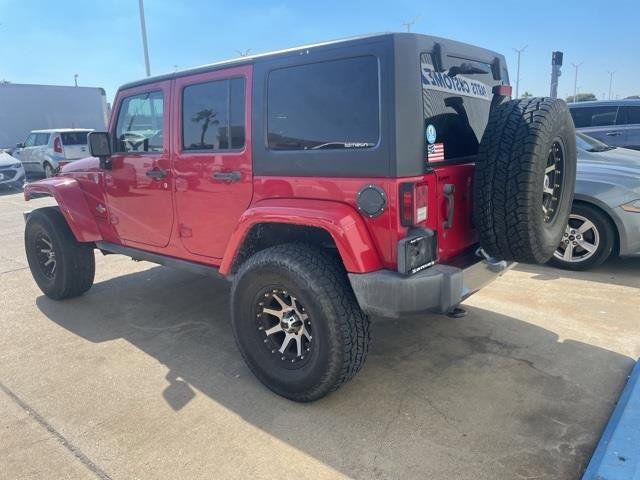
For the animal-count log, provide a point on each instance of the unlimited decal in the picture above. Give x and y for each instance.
(458, 84)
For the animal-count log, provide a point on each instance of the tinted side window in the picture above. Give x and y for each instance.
(594, 116)
(326, 105)
(140, 123)
(42, 139)
(74, 138)
(630, 115)
(213, 115)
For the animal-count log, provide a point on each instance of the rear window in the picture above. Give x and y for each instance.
(74, 138)
(594, 116)
(327, 105)
(455, 108)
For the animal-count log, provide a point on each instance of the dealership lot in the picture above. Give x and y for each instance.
(140, 378)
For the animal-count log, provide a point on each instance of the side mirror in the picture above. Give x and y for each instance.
(19, 145)
(100, 146)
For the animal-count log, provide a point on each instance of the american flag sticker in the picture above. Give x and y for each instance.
(435, 152)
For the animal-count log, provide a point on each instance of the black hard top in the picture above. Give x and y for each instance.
(377, 37)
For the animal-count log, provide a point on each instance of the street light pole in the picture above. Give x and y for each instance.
(519, 52)
(575, 82)
(410, 23)
(611, 74)
(143, 29)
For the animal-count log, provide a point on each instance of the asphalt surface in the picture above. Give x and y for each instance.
(140, 378)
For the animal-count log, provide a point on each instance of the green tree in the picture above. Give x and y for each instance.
(581, 97)
(527, 94)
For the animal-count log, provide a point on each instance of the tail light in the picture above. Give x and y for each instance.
(413, 204)
(57, 145)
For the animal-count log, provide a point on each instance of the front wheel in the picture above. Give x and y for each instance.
(587, 241)
(61, 266)
(297, 322)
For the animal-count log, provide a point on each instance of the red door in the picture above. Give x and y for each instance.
(138, 187)
(212, 162)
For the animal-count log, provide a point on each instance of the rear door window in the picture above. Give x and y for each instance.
(455, 108)
(74, 138)
(327, 105)
(213, 115)
(594, 116)
(629, 116)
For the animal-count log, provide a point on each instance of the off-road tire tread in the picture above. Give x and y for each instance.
(504, 193)
(330, 282)
(78, 258)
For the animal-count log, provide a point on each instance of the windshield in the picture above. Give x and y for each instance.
(590, 144)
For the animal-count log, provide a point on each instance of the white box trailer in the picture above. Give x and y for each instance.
(25, 107)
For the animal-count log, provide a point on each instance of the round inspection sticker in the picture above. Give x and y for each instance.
(431, 133)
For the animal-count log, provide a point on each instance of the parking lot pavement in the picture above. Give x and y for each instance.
(140, 378)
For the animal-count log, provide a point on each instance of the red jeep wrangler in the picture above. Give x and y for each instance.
(381, 175)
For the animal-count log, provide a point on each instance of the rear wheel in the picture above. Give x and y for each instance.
(297, 322)
(48, 170)
(61, 266)
(587, 241)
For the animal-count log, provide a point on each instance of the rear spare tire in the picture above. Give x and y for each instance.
(524, 179)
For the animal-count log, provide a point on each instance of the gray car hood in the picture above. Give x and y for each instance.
(6, 160)
(619, 166)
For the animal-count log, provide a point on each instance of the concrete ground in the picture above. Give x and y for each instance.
(140, 378)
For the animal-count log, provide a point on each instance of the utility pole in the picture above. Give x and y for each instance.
(611, 74)
(575, 82)
(75, 79)
(556, 71)
(519, 52)
(143, 29)
(410, 23)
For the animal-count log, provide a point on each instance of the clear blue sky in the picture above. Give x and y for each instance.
(48, 41)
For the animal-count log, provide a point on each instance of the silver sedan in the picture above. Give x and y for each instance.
(605, 216)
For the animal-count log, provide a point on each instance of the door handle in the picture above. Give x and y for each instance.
(613, 134)
(228, 177)
(156, 173)
(447, 191)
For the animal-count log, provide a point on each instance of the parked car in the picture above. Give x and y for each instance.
(45, 151)
(616, 123)
(605, 217)
(327, 183)
(11, 172)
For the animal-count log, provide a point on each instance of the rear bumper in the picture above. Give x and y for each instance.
(438, 289)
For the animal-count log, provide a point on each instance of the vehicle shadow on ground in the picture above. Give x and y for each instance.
(486, 395)
(616, 271)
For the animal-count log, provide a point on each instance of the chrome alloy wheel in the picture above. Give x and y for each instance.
(46, 255)
(285, 325)
(580, 240)
(552, 186)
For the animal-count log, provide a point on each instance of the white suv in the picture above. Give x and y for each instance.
(44, 151)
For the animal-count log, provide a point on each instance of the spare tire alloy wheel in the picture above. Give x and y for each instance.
(580, 241)
(285, 326)
(552, 187)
